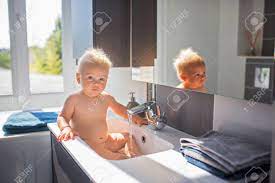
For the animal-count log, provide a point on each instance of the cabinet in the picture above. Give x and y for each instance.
(124, 29)
(256, 27)
(144, 32)
(65, 169)
(269, 30)
(111, 29)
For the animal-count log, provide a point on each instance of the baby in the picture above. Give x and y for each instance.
(84, 112)
(191, 70)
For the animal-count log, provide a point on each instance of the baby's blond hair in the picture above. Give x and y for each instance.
(186, 60)
(94, 56)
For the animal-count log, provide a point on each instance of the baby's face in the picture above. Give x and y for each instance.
(93, 79)
(196, 78)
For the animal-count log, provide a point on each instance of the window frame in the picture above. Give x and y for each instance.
(21, 94)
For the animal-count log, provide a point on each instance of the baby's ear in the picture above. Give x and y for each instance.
(77, 75)
(182, 77)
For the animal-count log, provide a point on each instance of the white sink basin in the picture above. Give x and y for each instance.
(147, 142)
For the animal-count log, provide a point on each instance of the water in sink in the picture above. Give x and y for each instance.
(130, 120)
(147, 142)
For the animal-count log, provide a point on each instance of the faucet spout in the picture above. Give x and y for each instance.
(156, 120)
(141, 108)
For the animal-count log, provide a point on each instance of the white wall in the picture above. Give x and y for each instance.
(198, 30)
(120, 84)
(231, 70)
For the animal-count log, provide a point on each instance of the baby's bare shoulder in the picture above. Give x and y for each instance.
(107, 96)
(69, 105)
(72, 98)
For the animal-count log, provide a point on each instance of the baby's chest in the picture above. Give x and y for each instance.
(91, 109)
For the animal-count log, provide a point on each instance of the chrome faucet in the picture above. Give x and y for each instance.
(156, 119)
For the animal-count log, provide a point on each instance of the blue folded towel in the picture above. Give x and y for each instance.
(199, 155)
(233, 153)
(47, 117)
(23, 122)
(208, 164)
(236, 176)
(224, 155)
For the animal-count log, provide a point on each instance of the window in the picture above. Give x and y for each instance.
(32, 73)
(44, 45)
(5, 57)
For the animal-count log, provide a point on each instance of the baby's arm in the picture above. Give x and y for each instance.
(121, 110)
(64, 118)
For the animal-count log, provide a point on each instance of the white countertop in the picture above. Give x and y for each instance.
(167, 166)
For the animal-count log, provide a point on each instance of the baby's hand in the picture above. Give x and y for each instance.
(67, 134)
(140, 121)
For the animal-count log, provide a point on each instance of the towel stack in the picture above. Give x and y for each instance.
(226, 156)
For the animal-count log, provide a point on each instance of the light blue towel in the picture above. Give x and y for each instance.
(23, 122)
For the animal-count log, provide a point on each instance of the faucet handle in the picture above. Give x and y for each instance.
(157, 119)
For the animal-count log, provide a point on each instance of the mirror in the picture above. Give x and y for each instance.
(234, 39)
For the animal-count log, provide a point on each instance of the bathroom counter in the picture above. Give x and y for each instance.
(166, 166)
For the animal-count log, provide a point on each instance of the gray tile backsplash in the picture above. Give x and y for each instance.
(203, 112)
(190, 112)
(235, 116)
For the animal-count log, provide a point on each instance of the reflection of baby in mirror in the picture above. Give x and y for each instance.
(191, 70)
